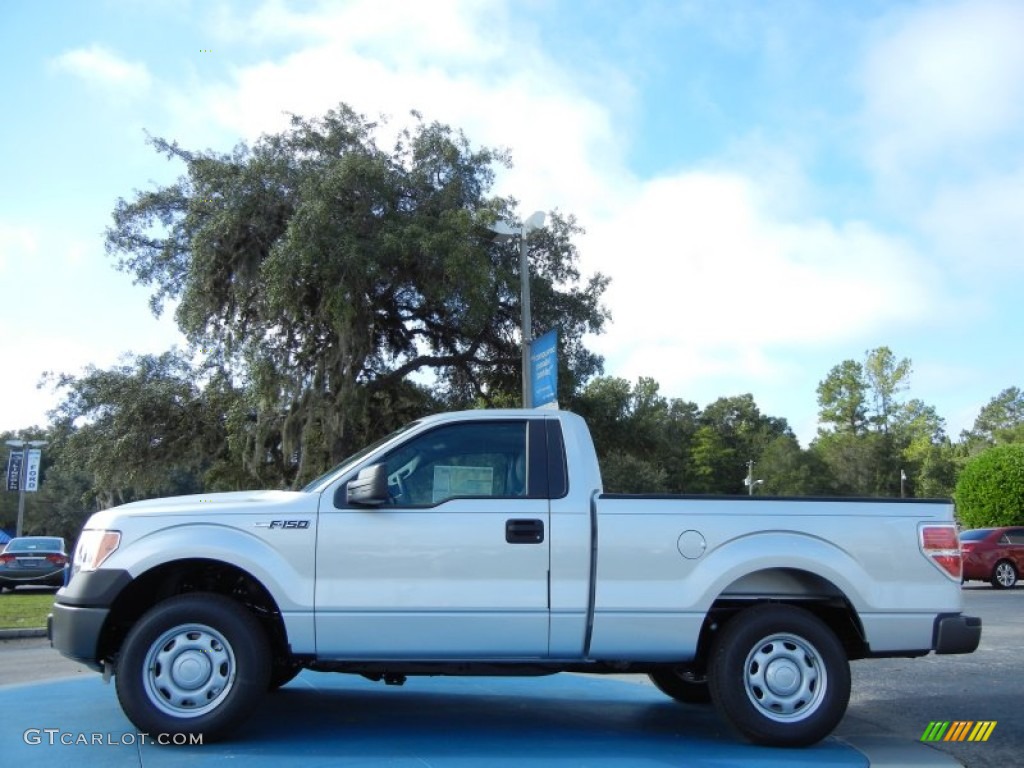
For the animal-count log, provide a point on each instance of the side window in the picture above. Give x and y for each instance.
(1016, 536)
(474, 459)
(1004, 539)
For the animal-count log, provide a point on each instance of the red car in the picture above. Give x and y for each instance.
(993, 554)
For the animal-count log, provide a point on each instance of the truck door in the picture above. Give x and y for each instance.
(456, 566)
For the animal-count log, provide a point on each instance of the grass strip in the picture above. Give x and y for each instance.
(24, 610)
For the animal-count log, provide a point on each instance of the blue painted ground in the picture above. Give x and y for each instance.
(342, 720)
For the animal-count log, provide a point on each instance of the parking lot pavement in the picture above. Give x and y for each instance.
(901, 696)
(324, 719)
(32, 660)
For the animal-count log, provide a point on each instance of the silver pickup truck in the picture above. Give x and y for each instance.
(480, 543)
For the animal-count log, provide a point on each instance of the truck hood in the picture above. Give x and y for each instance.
(213, 504)
(234, 498)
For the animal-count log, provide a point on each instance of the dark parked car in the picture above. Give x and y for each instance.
(36, 560)
(993, 554)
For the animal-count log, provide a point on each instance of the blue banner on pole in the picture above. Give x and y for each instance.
(14, 471)
(544, 370)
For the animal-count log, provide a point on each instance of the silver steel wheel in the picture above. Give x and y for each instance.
(785, 678)
(189, 670)
(1005, 574)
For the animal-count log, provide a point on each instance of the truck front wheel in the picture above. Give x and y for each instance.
(196, 663)
(779, 676)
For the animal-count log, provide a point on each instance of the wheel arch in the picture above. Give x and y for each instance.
(789, 586)
(182, 576)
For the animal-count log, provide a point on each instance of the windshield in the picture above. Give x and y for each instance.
(356, 457)
(976, 535)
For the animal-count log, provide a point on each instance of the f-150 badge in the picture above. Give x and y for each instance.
(293, 524)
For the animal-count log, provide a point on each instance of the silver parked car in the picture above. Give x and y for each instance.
(33, 560)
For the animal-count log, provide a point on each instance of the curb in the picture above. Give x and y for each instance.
(884, 749)
(15, 634)
(889, 751)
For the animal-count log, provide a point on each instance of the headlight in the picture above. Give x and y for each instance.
(93, 548)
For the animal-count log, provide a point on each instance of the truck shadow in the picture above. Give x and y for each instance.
(566, 717)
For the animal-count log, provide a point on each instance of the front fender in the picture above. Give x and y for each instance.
(288, 579)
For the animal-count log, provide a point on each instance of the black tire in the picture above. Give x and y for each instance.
(810, 689)
(1004, 575)
(682, 685)
(282, 672)
(196, 663)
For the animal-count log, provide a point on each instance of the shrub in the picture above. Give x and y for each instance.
(990, 491)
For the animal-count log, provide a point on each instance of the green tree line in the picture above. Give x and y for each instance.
(332, 289)
(154, 427)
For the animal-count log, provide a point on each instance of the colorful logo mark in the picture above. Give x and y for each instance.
(958, 730)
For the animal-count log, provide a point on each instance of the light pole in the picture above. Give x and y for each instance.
(749, 480)
(23, 445)
(504, 232)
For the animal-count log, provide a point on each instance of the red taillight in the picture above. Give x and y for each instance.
(57, 559)
(940, 543)
(6, 558)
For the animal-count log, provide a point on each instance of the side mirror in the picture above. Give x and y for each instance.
(370, 487)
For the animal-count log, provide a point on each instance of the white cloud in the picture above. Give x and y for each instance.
(978, 224)
(100, 67)
(62, 314)
(16, 242)
(394, 30)
(22, 402)
(454, 62)
(944, 105)
(944, 79)
(708, 282)
(51, 348)
(76, 253)
(714, 271)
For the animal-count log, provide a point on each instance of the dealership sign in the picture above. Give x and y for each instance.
(32, 470)
(14, 471)
(30, 467)
(544, 370)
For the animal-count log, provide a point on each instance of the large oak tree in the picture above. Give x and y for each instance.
(348, 286)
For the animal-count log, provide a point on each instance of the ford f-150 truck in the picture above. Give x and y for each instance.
(480, 543)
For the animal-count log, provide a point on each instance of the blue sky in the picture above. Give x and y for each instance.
(773, 187)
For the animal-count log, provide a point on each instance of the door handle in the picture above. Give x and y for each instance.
(524, 531)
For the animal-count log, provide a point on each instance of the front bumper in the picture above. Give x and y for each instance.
(80, 613)
(75, 632)
(955, 633)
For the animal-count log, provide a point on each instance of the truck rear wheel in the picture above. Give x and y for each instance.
(779, 676)
(682, 685)
(196, 663)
